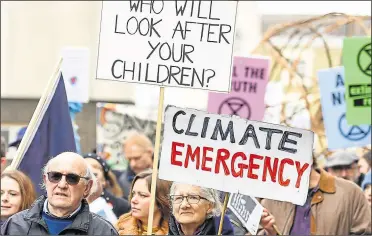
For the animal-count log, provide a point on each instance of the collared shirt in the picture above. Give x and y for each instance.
(46, 211)
(301, 223)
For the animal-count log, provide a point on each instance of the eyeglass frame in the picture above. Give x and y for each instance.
(73, 174)
(187, 198)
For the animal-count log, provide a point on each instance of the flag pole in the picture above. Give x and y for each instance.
(155, 164)
(30, 131)
(223, 213)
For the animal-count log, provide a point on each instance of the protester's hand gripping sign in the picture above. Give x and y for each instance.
(235, 155)
(185, 44)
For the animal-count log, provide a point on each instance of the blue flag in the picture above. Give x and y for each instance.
(53, 136)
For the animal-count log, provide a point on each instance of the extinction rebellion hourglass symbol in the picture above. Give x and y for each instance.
(235, 106)
(364, 59)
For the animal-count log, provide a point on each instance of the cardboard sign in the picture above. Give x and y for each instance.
(75, 71)
(340, 135)
(357, 62)
(236, 155)
(102, 208)
(115, 122)
(246, 99)
(185, 44)
(247, 209)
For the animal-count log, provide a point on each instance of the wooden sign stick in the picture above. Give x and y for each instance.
(223, 212)
(276, 230)
(156, 160)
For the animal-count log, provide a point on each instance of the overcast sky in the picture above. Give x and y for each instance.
(314, 7)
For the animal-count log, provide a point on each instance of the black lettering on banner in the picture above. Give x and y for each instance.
(112, 69)
(189, 126)
(249, 132)
(269, 134)
(338, 98)
(205, 126)
(229, 130)
(361, 94)
(286, 139)
(174, 121)
(178, 57)
(339, 81)
(135, 5)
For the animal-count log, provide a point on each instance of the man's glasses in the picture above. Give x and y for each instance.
(71, 179)
(191, 199)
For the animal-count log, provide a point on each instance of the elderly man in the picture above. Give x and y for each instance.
(334, 206)
(138, 150)
(68, 181)
(344, 164)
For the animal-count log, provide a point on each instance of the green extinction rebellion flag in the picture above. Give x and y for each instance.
(357, 63)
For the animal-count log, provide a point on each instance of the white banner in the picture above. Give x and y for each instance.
(247, 209)
(185, 44)
(75, 71)
(235, 155)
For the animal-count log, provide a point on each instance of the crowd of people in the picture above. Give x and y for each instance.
(338, 202)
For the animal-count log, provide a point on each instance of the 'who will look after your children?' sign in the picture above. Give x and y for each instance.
(230, 153)
(339, 133)
(185, 44)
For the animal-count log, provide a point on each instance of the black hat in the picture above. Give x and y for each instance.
(101, 161)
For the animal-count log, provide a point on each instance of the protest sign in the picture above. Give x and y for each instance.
(185, 44)
(246, 99)
(75, 70)
(339, 134)
(102, 208)
(115, 122)
(236, 155)
(356, 56)
(247, 209)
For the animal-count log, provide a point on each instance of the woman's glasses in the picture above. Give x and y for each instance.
(191, 199)
(71, 179)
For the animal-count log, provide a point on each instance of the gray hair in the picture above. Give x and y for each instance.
(44, 171)
(210, 194)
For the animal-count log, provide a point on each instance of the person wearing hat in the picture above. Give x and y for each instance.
(344, 164)
(20, 135)
(112, 192)
(334, 206)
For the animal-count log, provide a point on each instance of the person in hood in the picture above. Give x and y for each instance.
(196, 211)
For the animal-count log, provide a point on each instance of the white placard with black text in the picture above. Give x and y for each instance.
(235, 155)
(186, 44)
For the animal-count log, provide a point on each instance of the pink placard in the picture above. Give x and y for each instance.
(248, 86)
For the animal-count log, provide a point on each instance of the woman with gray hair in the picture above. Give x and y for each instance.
(196, 211)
